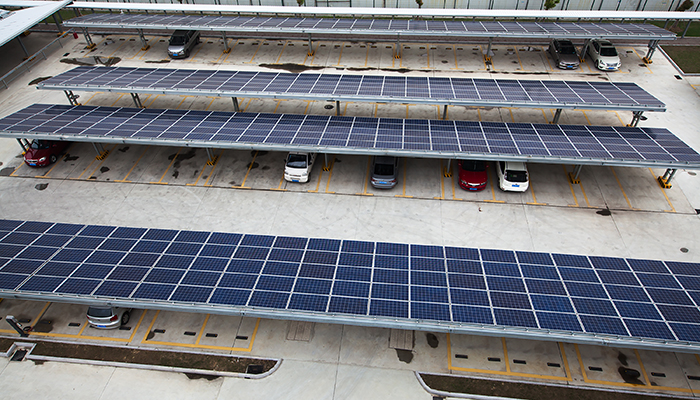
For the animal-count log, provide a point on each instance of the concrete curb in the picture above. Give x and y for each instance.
(440, 393)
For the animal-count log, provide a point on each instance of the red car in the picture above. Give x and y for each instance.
(41, 153)
(472, 175)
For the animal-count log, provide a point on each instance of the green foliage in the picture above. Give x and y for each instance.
(549, 4)
(300, 2)
(420, 3)
(686, 5)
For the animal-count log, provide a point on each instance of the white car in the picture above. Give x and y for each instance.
(297, 167)
(108, 317)
(512, 176)
(604, 55)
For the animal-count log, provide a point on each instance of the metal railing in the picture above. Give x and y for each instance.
(30, 62)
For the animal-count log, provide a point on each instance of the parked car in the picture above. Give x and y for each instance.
(384, 172)
(108, 317)
(181, 43)
(604, 55)
(298, 166)
(472, 175)
(41, 153)
(563, 53)
(512, 176)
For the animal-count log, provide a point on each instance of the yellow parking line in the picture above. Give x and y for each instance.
(534, 198)
(454, 50)
(243, 186)
(93, 95)
(80, 334)
(588, 121)
(202, 171)
(255, 53)
(17, 169)
(342, 45)
(117, 100)
(545, 115)
(330, 173)
(642, 59)
(279, 186)
(100, 163)
(491, 179)
(41, 314)
(157, 38)
(201, 330)
(621, 188)
(211, 173)
(364, 191)
(455, 177)
(134, 166)
(318, 183)
(663, 191)
(125, 41)
(230, 52)
(160, 182)
(281, 52)
(566, 174)
(544, 54)
(505, 354)
(442, 183)
(519, 62)
(404, 181)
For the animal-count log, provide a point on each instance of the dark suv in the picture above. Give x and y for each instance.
(181, 43)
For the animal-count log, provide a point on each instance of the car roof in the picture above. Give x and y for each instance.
(384, 159)
(516, 165)
(605, 43)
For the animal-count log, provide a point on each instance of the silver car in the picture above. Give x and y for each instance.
(181, 43)
(384, 172)
(108, 317)
(564, 53)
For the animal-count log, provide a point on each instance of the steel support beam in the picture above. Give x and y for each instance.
(311, 47)
(574, 176)
(72, 98)
(665, 180)
(444, 112)
(584, 49)
(24, 144)
(137, 100)
(488, 53)
(226, 48)
(326, 165)
(236, 108)
(211, 157)
(58, 25)
(447, 172)
(650, 52)
(144, 42)
(557, 114)
(101, 152)
(397, 49)
(337, 107)
(26, 53)
(88, 39)
(636, 117)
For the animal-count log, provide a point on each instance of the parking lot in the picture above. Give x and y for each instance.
(244, 191)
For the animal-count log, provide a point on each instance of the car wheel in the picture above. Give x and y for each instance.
(53, 158)
(125, 318)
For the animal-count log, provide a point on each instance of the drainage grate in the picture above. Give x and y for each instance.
(519, 362)
(464, 356)
(555, 365)
(596, 369)
(254, 369)
(190, 333)
(74, 324)
(494, 359)
(45, 322)
(24, 320)
(124, 328)
(658, 374)
(241, 337)
(19, 355)
(694, 378)
(212, 335)
(678, 77)
(159, 331)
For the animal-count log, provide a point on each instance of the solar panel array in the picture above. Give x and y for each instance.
(337, 134)
(453, 285)
(413, 27)
(458, 91)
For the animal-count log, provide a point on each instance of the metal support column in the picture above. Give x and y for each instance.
(397, 49)
(665, 180)
(226, 48)
(58, 25)
(88, 39)
(650, 52)
(236, 108)
(636, 117)
(447, 172)
(488, 53)
(101, 152)
(584, 49)
(557, 114)
(574, 176)
(444, 112)
(137, 100)
(72, 98)
(144, 42)
(24, 145)
(26, 53)
(211, 158)
(311, 47)
(337, 107)
(686, 29)
(326, 164)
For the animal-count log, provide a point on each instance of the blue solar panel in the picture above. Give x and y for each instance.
(385, 308)
(153, 291)
(11, 281)
(115, 289)
(41, 284)
(233, 297)
(191, 294)
(558, 321)
(514, 317)
(78, 286)
(612, 326)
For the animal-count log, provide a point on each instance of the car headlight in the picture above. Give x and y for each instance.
(42, 159)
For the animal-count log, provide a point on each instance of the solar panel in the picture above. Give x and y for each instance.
(671, 152)
(451, 91)
(373, 27)
(542, 299)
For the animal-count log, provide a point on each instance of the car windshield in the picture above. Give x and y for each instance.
(296, 161)
(384, 169)
(516, 176)
(177, 40)
(568, 50)
(471, 165)
(40, 144)
(99, 312)
(608, 51)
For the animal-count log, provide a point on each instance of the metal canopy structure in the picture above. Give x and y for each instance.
(20, 21)
(573, 298)
(399, 89)
(374, 27)
(542, 143)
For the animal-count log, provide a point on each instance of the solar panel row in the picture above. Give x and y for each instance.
(437, 138)
(375, 26)
(464, 91)
(453, 285)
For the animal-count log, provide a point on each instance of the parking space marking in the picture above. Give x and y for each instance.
(588, 121)
(213, 167)
(250, 166)
(204, 168)
(403, 181)
(134, 166)
(117, 100)
(544, 51)
(18, 167)
(663, 191)
(36, 319)
(160, 181)
(93, 95)
(442, 182)
(194, 56)
(144, 51)
(98, 164)
(566, 174)
(491, 179)
(284, 46)
(486, 66)
(255, 53)
(621, 188)
(454, 50)
(330, 173)
(545, 115)
(534, 198)
(455, 177)
(318, 182)
(342, 45)
(642, 60)
(646, 385)
(231, 52)
(196, 345)
(618, 117)
(128, 39)
(507, 372)
(519, 62)
(366, 180)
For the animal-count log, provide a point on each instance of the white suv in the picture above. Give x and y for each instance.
(604, 55)
(512, 176)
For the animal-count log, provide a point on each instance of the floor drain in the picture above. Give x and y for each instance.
(190, 333)
(694, 378)
(464, 356)
(159, 331)
(212, 335)
(697, 211)
(684, 250)
(555, 365)
(254, 369)
(519, 362)
(328, 106)
(24, 320)
(678, 77)
(494, 359)
(596, 369)
(241, 337)
(605, 211)
(124, 328)
(658, 374)
(74, 324)
(19, 355)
